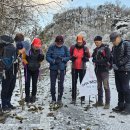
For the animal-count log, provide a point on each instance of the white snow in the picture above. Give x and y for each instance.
(69, 117)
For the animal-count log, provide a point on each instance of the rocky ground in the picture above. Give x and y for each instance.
(39, 117)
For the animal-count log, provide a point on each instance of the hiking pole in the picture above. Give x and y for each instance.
(83, 97)
(89, 99)
(59, 74)
(96, 101)
(2, 75)
(1, 113)
(74, 88)
(20, 85)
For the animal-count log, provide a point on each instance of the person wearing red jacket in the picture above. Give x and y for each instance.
(79, 55)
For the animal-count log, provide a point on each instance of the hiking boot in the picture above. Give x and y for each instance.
(125, 112)
(59, 103)
(52, 102)
(98, 104)
(6, 108)
(11, 106)
(27, 99)
(33, 99)
(83, 100)
(107, 106)
(118, 109)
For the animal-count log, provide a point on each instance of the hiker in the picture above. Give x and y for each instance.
(101, 58)
(22, 45)
(121, 66)
(32, 62)
(57, 55)
(79, 54)
(8, 59)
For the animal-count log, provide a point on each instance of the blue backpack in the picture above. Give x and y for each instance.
(7, 53)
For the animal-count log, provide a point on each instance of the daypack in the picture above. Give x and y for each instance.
(103, 53)
(33, 64)
(7, 55)
(84, 49)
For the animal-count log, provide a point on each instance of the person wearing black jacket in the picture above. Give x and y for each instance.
(31, 69)
(8, 59)
(121, 66)
(101, 57)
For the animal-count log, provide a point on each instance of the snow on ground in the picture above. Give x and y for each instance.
(69, 117)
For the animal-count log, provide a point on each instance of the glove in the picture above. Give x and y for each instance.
(40, 57)
(85, 59)
(58, 60)
(73, 58)
(114, 66)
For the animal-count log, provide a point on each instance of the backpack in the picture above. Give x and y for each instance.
(33, 64)
(84, 49)
(110, 62)
(7, 53)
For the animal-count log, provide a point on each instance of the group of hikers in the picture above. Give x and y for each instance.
(58, 54)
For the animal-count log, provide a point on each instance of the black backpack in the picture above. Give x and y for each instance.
(84, 49)
(7, 52)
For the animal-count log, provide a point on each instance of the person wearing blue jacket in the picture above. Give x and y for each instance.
(57, 55)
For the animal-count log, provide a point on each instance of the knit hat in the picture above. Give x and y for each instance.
(19, 45)
(6, 39)
(98, 38)
(113, 36)
(59, 38)
(37, 42)
(79, 38)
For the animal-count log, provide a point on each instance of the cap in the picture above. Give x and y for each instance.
(37, 42)
(6, 39)
(19, 45)
(19, 37)
(79, 38)
(98, 38)
(59, 38)
(114, 35)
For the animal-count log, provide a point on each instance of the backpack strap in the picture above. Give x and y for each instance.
(65, 49)
(85, 48)
(72, 49)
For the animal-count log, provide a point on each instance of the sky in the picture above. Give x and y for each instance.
(83, 3)
(62, 5)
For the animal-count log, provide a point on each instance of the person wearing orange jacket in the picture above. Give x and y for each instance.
(79, 55)
(32, 62)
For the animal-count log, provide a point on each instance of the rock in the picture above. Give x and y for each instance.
(68, 123)
(69, 117)
(3, 118)
(40, 108)
(87, 108)
(103, 114)
(122, 122)
(111, 116)
(50, 114)
(80, 128)
(20, 128)
(65, 106)
(17, 95)
(88, 129)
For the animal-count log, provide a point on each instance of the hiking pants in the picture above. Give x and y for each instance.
(53, 76)
(28, 75)
(8, 85)
(75, 74)
(122, 80)
(103, 79)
